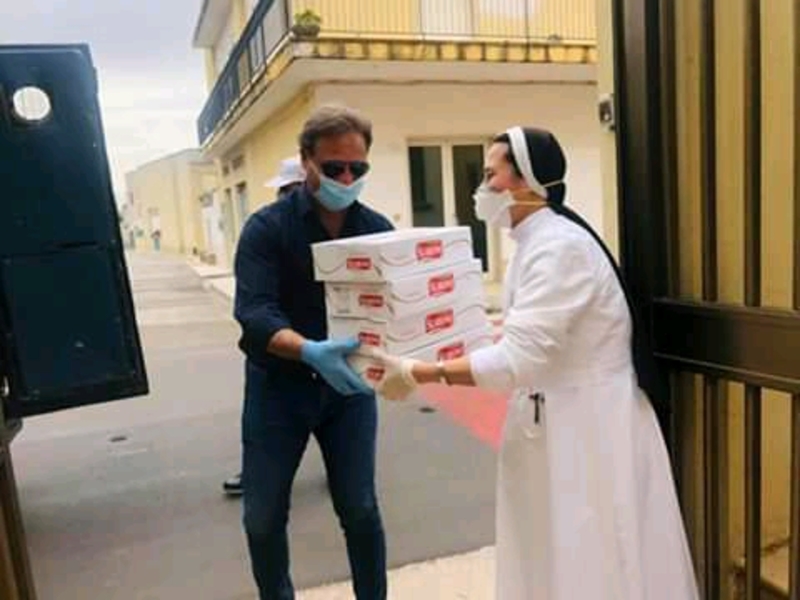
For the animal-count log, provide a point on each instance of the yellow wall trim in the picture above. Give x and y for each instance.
(347, 48)
(466, 51)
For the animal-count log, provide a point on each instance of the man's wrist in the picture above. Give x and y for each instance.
(287, 343)
(305, 346)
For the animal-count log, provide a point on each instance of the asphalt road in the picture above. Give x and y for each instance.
(123, 501)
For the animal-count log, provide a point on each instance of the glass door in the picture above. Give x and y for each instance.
(443, 178)
(427, 191)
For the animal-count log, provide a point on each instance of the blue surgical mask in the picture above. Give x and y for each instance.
(337, 196)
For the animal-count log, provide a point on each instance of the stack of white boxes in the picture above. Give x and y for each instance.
(415, 292)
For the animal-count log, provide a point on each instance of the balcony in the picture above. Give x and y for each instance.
(529, 28)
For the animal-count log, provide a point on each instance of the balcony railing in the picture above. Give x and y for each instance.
(268, 25)
(570, 21)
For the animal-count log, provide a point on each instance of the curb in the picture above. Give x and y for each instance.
(210, 276)
(219, 293)
(467, 576)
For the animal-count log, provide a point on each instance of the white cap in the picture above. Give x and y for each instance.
(291, 171)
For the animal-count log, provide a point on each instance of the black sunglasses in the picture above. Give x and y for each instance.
(335, 168)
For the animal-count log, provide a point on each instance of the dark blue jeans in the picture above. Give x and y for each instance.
(276, 426)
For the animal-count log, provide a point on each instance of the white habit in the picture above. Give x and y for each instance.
(586, 505)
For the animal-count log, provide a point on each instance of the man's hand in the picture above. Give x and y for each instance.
(328, 359)
(397, 382)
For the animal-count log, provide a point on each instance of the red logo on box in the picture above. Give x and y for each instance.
(375, 373)
(429, 250)
(359, 263)
(439, 321)
(370, 300)
(439, 286)
(370, 339)
(452, 351)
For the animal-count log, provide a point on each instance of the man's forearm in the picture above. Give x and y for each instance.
(286, 343)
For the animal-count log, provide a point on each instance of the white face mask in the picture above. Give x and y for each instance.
(492, 207)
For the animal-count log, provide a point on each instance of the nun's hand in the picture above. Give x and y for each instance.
(397, 382)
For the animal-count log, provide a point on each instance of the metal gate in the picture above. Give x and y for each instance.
(708, 95)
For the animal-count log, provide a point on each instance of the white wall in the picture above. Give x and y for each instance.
(417, 112)
(225, 43)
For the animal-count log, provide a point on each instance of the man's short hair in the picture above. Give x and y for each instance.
(333, 120)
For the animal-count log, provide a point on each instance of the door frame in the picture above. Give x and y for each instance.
(494, 247)
(239, 206)
(716, 341)
(228, 218)
(644, 251)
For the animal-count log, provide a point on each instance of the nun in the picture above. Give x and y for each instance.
(586, 503)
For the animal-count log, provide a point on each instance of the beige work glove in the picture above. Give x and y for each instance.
(397, 382)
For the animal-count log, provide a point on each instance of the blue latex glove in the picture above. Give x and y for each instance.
(328, 359)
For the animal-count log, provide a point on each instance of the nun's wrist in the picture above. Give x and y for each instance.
(424, 372)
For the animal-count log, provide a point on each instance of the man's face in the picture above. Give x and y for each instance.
(498, 172)
(341, 157)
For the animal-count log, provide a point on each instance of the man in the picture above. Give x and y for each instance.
(297, 382)
(290, 176)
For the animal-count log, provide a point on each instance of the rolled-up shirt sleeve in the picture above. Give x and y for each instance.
(257, 270)
(557, 281)
(491, 368)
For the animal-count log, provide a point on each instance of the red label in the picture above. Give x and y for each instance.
(359, 263)
(439, 321)
(439, 286)
(370, 300)
(429, 250)
(450, 352)
(375, 373)
(370, 339)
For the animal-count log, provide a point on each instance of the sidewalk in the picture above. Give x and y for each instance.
(462, 577)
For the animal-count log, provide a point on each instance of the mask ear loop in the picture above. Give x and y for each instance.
(537, 203)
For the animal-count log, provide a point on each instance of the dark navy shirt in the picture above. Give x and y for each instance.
(275, 287)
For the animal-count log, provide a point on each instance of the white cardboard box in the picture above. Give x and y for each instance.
(406, 296)
(449, 348)
(380, 257)
(408, 334)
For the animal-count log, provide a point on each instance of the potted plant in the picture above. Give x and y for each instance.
(306, 24)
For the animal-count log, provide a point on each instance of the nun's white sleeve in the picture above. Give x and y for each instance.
(557, 281)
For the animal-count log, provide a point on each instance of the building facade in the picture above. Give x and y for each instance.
(164, 207)
(438, 79)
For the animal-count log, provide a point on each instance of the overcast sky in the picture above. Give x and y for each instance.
(151, 79)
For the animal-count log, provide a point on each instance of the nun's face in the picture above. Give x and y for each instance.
(498, 172)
